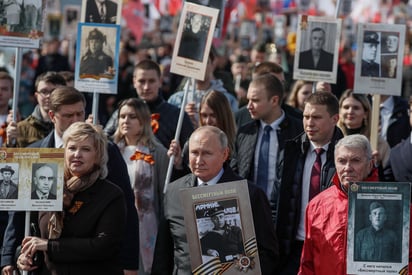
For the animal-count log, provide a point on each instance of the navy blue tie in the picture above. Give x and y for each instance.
(263, 162)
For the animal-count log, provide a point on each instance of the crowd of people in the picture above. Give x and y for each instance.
(298, 144)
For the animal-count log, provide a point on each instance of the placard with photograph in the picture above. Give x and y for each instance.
(22, 23)
(31, 179)
(379, 59)
(101, 12)
(71, 15)
(220, 229)
(378, 228)
(193, 40)
(317, 51)
(97, 57)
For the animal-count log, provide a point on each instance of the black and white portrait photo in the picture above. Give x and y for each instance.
(21, 16)
(194, 36)
(220, 230)
(101, 11)
(378, 239)
(319, 55)
(44, 181)
(371, 54)
(9, 181)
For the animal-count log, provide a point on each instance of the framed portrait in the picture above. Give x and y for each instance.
(220, 229)
(378, 227)
(71, 15)
(193, 40)
(379, 59)
(317, 51)
(101, 11)
(97, 57)
(29, 169)
(22, 23)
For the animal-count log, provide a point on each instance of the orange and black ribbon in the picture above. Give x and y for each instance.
(155, 122)
(142, 156)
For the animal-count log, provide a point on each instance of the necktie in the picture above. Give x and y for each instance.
(314, 188)
(263, 162)
(102, 14)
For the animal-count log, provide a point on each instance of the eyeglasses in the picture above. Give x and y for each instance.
(46, 91)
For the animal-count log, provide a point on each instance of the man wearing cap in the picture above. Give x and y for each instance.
(316, 58)
(375, 242)
(95, 61)
(370, 48)
(224, 240)
(8, 189)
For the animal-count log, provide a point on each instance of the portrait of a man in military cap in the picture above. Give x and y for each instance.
(8, 189)
(95, 61)
(370, 64)
(223, 240)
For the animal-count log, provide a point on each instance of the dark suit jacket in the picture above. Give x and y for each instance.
(119, 176)
(13, 191)
(93, 14)
(34, 196)
(172, 251)
(325, 61)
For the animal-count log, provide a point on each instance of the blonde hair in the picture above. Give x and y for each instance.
(80, 131)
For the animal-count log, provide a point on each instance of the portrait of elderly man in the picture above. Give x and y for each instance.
(369, 66)
(224, 240)
(194, 37)
(95, 61)
(390, 42)
(316, 58)
(43, 180)
(101, 11)
(376, 242)
(324, 247)
(8, 189)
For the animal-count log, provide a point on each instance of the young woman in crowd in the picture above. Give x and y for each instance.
(147, 163)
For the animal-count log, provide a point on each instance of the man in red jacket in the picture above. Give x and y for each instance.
(324, 248)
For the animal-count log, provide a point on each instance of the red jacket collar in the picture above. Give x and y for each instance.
(373, 176)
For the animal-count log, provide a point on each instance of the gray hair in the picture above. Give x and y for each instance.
(213, 130)
(356, 141)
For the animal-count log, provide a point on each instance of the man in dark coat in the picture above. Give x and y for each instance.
(101, 11)
(265, 95)
(8, 189)
(369, 65)
(193, 41)
(320, 116)
(43, 181)
(316, 58)
(208, 152)
(67, 107)
(147, 81)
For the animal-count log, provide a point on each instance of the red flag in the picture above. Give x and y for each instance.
(230, 6)
(174, 7)
(133, 13)
(250, 9)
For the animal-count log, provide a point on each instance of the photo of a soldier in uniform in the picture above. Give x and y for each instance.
(101, 11)
(44, 179)
(8, 188)
(377, 242)
(95, 61)
(370, 66)
(223, 240)
(194, 36)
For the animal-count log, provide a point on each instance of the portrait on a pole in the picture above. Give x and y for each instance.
(317, 56)
(193, 40)
(379, 59)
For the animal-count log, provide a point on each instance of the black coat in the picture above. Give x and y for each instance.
(291, 187)
(244, 154)
(325, 62)
(93, 14)
(167, 246)
(399, 127)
